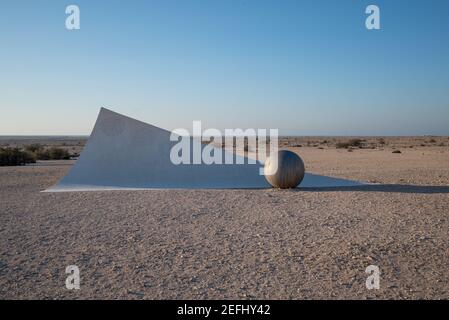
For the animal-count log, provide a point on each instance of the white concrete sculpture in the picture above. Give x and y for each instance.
(124, 153)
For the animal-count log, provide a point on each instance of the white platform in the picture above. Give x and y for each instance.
(126, 154)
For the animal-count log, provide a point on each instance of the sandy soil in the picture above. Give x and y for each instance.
(272, 244)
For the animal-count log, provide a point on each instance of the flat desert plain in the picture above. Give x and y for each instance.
(250, 244)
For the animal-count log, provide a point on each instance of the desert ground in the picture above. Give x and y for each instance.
(231, 244)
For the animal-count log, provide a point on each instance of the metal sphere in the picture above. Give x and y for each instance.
(290, 171)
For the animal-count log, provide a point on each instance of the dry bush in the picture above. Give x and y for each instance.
(15, 157)
(350, 143)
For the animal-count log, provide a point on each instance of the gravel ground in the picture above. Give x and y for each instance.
(220, 244)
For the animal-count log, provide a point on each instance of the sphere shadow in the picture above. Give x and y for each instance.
(396, 188)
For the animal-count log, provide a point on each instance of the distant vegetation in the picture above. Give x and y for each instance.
(351, 143)
(52, 153)
(15, 157)
(31, 153)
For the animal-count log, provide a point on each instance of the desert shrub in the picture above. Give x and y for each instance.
(355, 142)
(342, 145)
(15, 157)
(53, 153)
(31, 153)
(34, 148)
(350, 143)
(59, 154)
(432, 140)
(381, 141)
(42, 154)
(397, 151)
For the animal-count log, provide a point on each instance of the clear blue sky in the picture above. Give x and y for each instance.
(305, 67)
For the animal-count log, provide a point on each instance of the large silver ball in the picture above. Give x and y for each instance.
(290, 171)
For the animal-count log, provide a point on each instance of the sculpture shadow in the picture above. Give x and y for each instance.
(395, 188)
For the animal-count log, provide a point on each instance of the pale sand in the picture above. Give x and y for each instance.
(170, 244)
